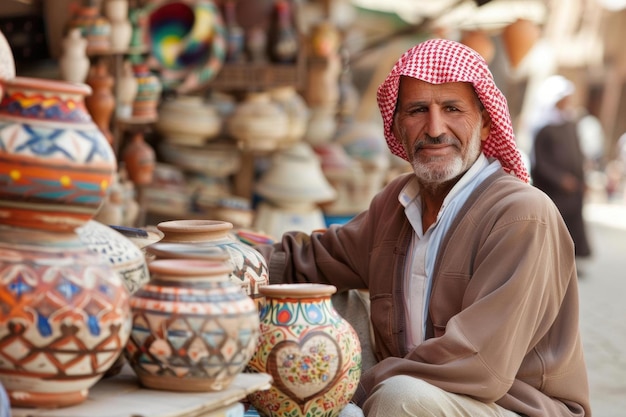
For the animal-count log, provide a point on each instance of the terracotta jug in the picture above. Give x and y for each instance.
(101, 102)
(311, 352)
(479, 41)
(518, 39)
(140, 160)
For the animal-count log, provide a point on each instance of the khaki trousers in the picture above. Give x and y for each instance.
(407, 396)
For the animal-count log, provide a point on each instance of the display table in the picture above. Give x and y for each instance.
(122, 396)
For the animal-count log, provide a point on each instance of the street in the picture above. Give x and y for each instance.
(603, 309)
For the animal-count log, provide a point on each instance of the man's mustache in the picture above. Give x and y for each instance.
(439, 140)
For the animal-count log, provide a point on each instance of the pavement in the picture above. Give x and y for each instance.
(602, 289)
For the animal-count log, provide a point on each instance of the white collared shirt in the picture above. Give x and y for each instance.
(417, 288)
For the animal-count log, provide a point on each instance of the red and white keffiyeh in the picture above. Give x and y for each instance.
(440, 61)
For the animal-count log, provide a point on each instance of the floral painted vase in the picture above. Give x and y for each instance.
(311, 352)
(193, 329)
(249, 269)
(64, 317)
(56, 164)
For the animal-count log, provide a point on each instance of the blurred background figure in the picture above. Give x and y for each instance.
(557, 159)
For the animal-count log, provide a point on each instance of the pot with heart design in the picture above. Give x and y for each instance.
(312, 353)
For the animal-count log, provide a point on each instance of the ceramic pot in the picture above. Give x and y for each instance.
(101, 102)
(74, 63)
(311, 352)
(116, 11)
(7, 62)
(125, 91)
(249, 269)
(64, 317)
(94, 27)
(139, 160)
(518, 39)
(295, 179)
(193, 328)
(123, 256)
(57, 165)
(188, 120)
(297, 112)
(258, 123)
(149, 90)
(479, 41)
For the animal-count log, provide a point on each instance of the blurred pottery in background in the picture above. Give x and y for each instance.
(101, 102)
(188, 120)
(116, 11)
(297, 111)
(74, 63)
(149, 90)
(258, 123)
(7, 62)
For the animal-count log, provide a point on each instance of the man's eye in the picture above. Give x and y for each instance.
(452, 109)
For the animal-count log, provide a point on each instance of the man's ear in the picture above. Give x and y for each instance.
(485, 127)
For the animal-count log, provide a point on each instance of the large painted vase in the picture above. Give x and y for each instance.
(64, 317)
(311, 352)
(55, 164)
(193, 329)
(202, 238)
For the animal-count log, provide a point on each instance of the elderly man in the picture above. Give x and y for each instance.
(470, 270)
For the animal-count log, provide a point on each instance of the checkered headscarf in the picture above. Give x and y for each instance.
(440, 61)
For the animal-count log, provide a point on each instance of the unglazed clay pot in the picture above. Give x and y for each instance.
(56, 164)
(311, 352)
(258, 123)
(249, 269)
(193, 328)
(188, 120)
(64, 317)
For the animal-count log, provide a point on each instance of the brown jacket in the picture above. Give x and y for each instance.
(503, 316)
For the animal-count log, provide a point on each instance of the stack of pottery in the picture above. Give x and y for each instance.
(64, 312)
(193, 329)
(311, 352)
(206, 239)
(291, 189)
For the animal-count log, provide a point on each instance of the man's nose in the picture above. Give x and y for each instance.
(435, 123)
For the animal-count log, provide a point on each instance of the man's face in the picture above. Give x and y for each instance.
(441, 127)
